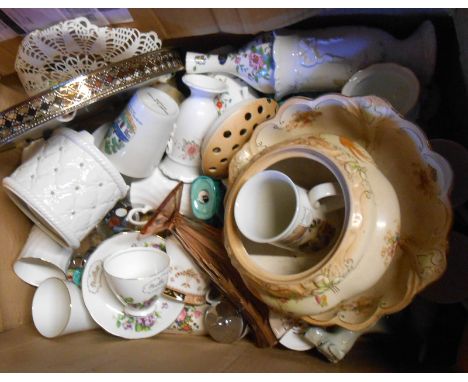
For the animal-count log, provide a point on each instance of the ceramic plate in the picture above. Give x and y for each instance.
(421, 178)
(104, 307)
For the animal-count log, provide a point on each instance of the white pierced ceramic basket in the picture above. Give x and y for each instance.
(69, 49)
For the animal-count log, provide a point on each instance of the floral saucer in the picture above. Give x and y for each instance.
(104, 307)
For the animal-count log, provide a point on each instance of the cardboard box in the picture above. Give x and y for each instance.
(23, 349)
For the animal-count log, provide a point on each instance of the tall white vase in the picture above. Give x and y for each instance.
(197, 113)
(323, 60)
(289, 62)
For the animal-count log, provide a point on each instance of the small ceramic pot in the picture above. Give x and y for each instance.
(364, 249)
(66, 187)
(41, 258)
(197, 113)
(58, 309)
(137, 276)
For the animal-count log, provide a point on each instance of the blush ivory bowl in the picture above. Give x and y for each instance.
(309, 284)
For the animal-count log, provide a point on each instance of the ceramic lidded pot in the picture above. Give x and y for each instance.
(304, 285)
(196, 115)
(66, 186)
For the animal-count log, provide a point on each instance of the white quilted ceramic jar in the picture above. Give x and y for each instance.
(66, 187)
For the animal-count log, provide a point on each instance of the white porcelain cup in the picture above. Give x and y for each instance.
(58, 309)
(66, 186)
(270, 208)
(42, 258)
(137, 276)
(137, 139)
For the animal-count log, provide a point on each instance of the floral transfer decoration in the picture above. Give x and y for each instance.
(325, 285)
(361, 305)
(190, 150)
(391, 242)
(221, 102)
(123, 129)
(255, 62)
(139, 305)
(186, 322)
(431, 264)
(139, 324)
(187, 275)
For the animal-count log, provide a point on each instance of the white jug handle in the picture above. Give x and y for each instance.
(138, 210)
(330, 190)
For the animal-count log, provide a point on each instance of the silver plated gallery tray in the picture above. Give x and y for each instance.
(29, 119)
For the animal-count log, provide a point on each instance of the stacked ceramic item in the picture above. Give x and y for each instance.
(364, 133)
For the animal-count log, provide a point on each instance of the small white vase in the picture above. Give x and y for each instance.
(197, 113)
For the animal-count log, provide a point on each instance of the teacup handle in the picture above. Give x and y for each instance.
(138, 210)
(329, 190)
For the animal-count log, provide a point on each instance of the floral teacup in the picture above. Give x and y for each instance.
(137, 276)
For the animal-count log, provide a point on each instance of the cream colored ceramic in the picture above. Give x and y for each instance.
(392, 82)
(368, 235)
(420, 177)
(230, 131)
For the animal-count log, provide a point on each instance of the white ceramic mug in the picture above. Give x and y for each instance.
(137, 139)
(137, 276)
(66, 186)
(270, 208)
(42, 258)
(58, 309)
